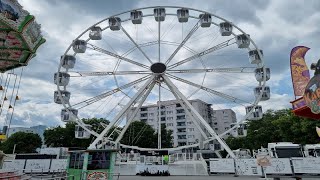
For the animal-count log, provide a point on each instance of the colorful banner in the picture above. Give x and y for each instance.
(312, 94)
(299, 70)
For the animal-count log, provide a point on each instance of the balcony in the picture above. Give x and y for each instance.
(181, 133)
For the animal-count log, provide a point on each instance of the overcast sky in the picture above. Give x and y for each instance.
(275, 26)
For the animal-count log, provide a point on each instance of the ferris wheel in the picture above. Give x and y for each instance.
(154, 54)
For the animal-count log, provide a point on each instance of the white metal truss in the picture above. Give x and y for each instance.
(151, 78)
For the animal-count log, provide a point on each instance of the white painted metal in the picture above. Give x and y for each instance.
(136, 17)
(64, 98)
(173, 88)
(205, 20)
(254, 56)
(243, 41)
(265, 93)
(129, 121)
(259, 74)
(61, 78)
(81, 133)
(159, 14)
(222, 166)
(120, 114)
(115, 23)
(248, 167)
(262, 83)
(68, 61)
(79, 46)
(256, 114)
(192, 31)
(225, 28)
(66, 115)
(183, 15)
(95, 33)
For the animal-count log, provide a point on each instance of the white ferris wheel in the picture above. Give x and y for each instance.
(154, 54)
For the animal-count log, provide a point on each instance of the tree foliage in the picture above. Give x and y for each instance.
(142, 134)
(65, 136)
(138, 134)
(25, 143)
(277, 126)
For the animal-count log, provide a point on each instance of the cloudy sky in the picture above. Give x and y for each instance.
(275, 26)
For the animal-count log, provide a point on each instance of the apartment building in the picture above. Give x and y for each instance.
(175, 118)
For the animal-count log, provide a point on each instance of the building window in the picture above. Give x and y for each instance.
(181, 117)
(189, 122)
(169, 112)
(170, 124)
(151, 114)
(180, 111)
(190, 129)
(190, 136)
(169, 118)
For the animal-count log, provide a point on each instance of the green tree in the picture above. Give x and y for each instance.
(140, 134)
(65, 136)
(166, 137)
(277, 126)
(25, 143)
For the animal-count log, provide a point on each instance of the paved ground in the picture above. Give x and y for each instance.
(199, 178)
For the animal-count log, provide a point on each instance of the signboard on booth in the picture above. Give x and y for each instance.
(248, 167)
(222, 166)
(306, 165)
(279, 166)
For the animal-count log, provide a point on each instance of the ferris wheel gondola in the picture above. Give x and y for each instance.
(148, 60)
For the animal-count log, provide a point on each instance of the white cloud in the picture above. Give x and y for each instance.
(271, 25)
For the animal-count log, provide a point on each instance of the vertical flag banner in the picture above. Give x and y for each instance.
(299, 70)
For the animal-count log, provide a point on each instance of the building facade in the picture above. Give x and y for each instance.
(176, 119)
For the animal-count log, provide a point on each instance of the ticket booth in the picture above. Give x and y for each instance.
(95, 164)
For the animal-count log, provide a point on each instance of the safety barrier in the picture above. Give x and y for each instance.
(279, 166)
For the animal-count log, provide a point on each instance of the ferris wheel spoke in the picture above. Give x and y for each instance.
(192, 31)
(210, 50)
(137, 46)
(104, 73)
(217, 93)
(99, 97)
(218, 70)
(101, 50)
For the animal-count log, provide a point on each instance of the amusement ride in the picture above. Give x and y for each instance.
(152, 54)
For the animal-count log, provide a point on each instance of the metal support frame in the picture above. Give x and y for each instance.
(173, 88)
(129, 121)
(121, 113)
(190, 114)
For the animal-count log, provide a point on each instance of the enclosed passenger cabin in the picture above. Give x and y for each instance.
(265, 95)
(81, 133)
(65, 96)
(115, 23)
(66, 116)
(225, 28)
(312, 150)
(79, 46)
(136, 17)
(205, 20)
(243, 41)
(95, 33)
(241, 129)
(159, 14)
(256, 113)
(68, 61)
(92, 164)
(284, 150)
(259, 74)
(61, 78)
(183, 15)
(254, 56)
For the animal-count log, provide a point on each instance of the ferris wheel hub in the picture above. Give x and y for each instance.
(158, 68)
